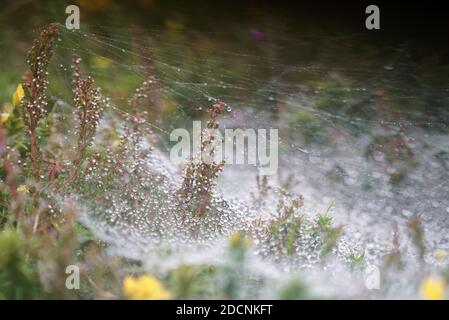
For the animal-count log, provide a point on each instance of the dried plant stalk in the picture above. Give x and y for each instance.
(199, 177)
(90, 105)
(34, 106)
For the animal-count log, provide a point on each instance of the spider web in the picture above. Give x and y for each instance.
(369, 134)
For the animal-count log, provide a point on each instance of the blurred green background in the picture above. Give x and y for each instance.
(248, 54)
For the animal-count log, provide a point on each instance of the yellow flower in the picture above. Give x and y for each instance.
(433, 288)
(145, 287)
(239, 240)
(23, 188)
(18, 96)
(4, 116)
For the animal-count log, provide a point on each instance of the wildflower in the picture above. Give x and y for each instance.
(18, 96)
(23, 188)
(433, 288)
(239, 240)
(145, 287)
(257, 34)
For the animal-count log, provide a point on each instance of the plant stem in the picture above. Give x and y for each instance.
(34, 153)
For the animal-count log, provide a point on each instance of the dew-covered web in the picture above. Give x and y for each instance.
(366, 132)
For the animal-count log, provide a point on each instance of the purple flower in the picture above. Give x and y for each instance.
(256, 34)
